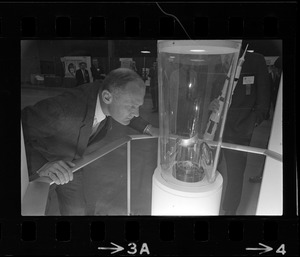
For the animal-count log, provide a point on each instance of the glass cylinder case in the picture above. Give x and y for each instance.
(195, 84)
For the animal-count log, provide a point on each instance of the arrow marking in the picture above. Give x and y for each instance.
(116, 249)
(266, 248)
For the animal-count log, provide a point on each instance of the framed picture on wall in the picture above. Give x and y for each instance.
(71, 65)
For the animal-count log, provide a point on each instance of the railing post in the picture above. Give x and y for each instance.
(128, 177)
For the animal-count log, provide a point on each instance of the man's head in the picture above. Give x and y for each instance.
(121, 95)
(95, 61)
(82, 65)
(71, 67)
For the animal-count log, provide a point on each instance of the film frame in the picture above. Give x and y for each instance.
(174, 236)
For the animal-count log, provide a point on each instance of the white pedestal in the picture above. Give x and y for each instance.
(173, 197)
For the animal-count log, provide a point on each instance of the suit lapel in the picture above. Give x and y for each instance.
(102, 129)
(87, 123)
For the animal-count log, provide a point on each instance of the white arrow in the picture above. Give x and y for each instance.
(117, 248)
(266, 248)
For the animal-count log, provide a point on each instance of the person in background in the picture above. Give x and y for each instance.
(154, 86)
(82, 75)
(61, 129)
(71, 69)
(97, 71)
(133, 66)
(144, 74)
(275, 76)
(248, 109)
(275, 80)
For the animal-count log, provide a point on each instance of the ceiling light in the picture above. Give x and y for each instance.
(197, 50)
(145, 52)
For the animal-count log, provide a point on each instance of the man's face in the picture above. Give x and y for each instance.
(125, 104)
(82, 66)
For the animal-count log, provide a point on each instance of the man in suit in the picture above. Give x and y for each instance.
(154, 86)
(275, 81)
(275, 76)
(82, 75)
(248, 109)
(61, 129)
(97, 70)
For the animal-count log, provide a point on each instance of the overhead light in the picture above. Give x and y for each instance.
(197, 50)
(250, 51)
(145, 52)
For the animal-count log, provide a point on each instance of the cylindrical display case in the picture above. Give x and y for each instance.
(192, 112)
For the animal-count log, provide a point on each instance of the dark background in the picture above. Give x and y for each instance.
(217, 16)
(43, 56)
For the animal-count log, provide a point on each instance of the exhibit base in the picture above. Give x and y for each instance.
(173, 197)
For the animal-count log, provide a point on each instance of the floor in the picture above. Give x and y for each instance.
(105, 180)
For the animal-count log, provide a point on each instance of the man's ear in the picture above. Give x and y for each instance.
(106, 96)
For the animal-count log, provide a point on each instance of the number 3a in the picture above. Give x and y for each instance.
(132, 247)
(281, 249)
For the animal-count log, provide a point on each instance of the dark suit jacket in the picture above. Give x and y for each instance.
(97, 74)
(247, 108)
(59, 128)
(80, 79)
(153, 78)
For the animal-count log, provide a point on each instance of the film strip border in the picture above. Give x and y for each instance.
(146, 20)
(65, 26)
(148, 236)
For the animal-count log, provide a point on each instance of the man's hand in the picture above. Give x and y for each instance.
(59, 171)
(214, 105)
(153, 131)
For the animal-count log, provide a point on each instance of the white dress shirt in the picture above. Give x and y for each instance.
(99, 116)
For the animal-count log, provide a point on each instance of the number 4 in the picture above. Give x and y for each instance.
(281, 249)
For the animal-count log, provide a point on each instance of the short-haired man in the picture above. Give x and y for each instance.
(59, 130)
(97, 71)
(82, 75)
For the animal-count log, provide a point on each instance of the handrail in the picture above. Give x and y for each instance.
(255, 150)
(236, 147)
(138, 137)
(87, 159)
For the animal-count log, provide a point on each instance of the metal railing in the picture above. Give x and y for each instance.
(87, 159)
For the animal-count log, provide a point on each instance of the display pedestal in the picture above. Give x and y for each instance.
(173, 197)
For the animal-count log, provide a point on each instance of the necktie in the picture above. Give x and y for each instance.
(100, 130)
